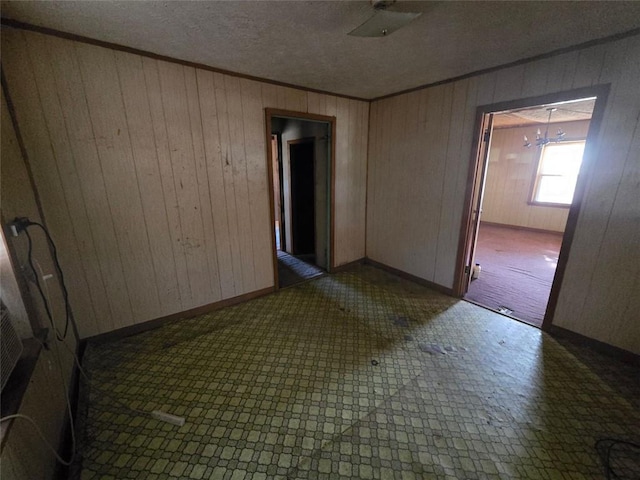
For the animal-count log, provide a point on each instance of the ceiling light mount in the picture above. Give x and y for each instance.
(542, 141)
(383, 22)
(382, 4)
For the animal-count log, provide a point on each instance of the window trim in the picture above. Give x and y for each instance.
(536, 176)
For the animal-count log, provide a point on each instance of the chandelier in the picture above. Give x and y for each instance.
(542, 141)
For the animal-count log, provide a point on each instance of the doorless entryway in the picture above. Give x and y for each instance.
(301, 163)
(528, 172)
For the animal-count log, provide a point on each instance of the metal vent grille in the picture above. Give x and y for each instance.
(10, 347)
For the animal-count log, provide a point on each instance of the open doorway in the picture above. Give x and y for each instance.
(300, 160)
(527, 185)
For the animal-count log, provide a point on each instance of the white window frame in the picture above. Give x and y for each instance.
(538, 176)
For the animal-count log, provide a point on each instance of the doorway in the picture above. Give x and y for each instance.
(300, 159)
(528, 173)
(303, 195)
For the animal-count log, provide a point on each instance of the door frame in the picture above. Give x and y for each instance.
(276, 138)
(485, 132)
(331, 121)
(601, 93)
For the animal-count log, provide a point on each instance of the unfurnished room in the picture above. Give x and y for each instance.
(372, 239)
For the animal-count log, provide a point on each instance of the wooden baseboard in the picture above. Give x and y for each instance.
(601, 347)
(159, 322)
(520, 227)
(347, 266)
(408, 276)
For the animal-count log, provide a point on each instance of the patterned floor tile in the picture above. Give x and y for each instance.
(354, 375)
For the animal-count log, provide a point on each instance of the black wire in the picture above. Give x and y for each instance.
(37, 279)
(63, 286)
(611, 474)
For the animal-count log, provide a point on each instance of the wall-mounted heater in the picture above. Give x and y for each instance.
(10, 346)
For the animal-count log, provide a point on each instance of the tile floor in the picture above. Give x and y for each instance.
(293, 270)
(354, 375)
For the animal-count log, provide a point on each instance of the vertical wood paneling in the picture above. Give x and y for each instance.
(390, 122)
(140, 127)
(359, 241)
(13, 179)
(163, 159)
(239, 169)
(605, 260)
(448, 221)
(341, 220)
(24, 455)
(18, 71)
(255, 147)
(617, 263)
(229, 184)
(373, 142)
(66, 164)
(106, 112)
(601, 279)
(445, 183)
(204, 204)
(589, 66)
(535, 77)
(153, 175)
(213, 159)
(192, 242)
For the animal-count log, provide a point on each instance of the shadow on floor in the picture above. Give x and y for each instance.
(293, 270)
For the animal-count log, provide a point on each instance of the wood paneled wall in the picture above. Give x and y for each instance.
(510, 176)
(24, 455)
(153, 175)
(419, 153)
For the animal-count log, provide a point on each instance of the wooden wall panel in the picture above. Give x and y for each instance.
(238, 162)
(255, 147)
(228, 181)
(604, 265)
(215, 179)
(153, 175)
(140, 126)
(168, 197)
(17, 67)
(601, 279)
(203, 206)
(107, 116)
(24, 455)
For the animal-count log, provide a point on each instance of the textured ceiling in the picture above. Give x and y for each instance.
(306, 43)
(565, 112)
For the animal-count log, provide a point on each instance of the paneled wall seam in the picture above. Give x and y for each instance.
(112, 222)
(146, 229)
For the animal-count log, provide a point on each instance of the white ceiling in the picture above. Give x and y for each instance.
(305, 43)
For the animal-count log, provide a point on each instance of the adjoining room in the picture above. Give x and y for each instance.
(535, 155)
(301, 164)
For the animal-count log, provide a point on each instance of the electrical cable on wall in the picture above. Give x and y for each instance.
(21, 225)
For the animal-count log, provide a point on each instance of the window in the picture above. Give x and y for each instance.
(557, 173)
